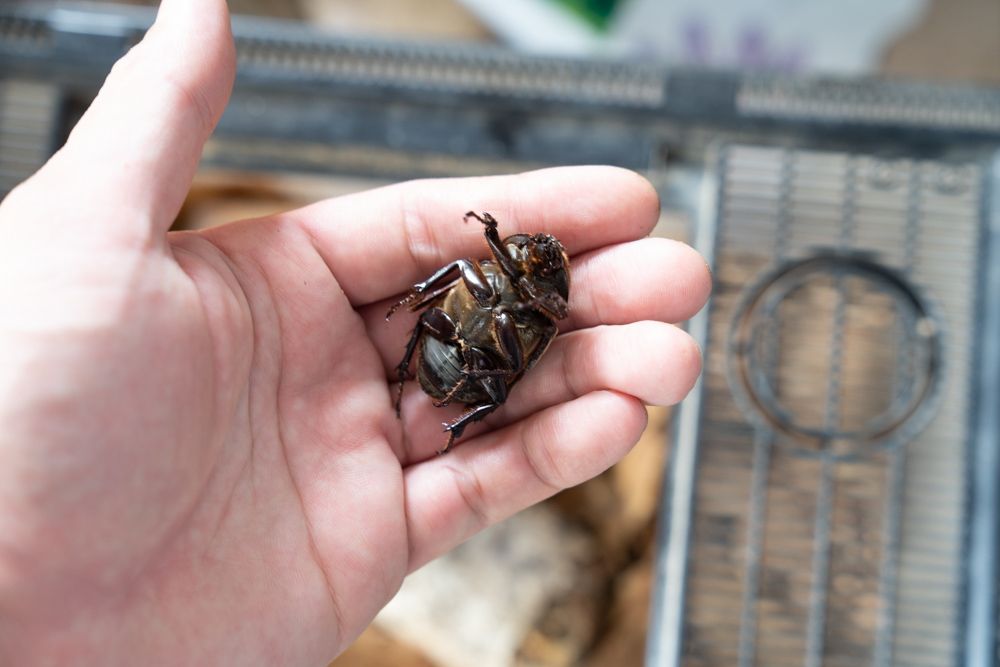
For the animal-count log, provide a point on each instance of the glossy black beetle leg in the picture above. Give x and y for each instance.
(486, 219)
(547, 336)
(496, 245)
(484, 368)
(469, 272)
(505, 330)
(434, 321)
(457, 427)
(416, 302)
(499, 393)
(480, 366)
(548, 302)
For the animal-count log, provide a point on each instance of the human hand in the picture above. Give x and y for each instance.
(199, 456)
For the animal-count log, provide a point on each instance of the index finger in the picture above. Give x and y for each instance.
(379, 243)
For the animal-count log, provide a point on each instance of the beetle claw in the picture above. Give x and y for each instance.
(451, 440)
(399, 303)
(486, 219)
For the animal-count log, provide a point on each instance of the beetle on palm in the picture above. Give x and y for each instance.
(481, 330)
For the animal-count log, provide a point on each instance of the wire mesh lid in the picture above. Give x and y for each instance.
(828, 508)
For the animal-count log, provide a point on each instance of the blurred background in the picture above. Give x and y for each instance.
(572, 582)
(946, 40)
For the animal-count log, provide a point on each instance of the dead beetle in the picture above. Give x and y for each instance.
(483, 329)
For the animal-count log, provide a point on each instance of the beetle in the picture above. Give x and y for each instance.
(481, 330)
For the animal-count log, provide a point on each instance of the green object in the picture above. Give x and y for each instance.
(594, 12)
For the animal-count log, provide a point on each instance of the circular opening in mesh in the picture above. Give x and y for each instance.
(838, 353)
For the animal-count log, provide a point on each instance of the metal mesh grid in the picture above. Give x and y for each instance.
(827, 556)
(27, 117)
(454, 70)
(23, 32)
(896, 102)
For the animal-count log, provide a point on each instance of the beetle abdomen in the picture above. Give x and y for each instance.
(440, 370)
(440, 366)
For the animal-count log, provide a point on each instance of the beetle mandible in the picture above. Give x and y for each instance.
(483, 329)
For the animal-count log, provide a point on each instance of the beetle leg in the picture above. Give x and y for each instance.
(425, 299)
(489, 220)
(498, 373)
(510, 345)
(497, 390)
(457, 427)
(550, 302)
(418, 290)
(450, 396)
(491, 379)
(496, 245)
(477, 365)
(437, 323)
(517, 362)
(470, 273)
(509, 341)
(547, 336)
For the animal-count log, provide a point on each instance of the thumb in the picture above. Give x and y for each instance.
(129, 162)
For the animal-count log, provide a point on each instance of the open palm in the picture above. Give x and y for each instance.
(199, 455)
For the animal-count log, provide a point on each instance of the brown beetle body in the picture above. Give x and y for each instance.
(482, 331)
(440, 365)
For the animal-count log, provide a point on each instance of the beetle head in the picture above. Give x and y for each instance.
(547, 266)
(542, 261)
(549, 262)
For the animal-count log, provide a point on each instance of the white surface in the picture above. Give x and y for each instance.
(475, 605)
(844, 37)
(537, 26)
(847, 37)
